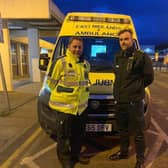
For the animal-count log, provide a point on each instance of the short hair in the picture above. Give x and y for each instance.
(74, 38)
(125, 30)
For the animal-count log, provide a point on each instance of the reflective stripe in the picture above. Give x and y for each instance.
(52, 80)
(70, 73)
(70, 106)
(61, 104)
(83, 105)
(80, 83)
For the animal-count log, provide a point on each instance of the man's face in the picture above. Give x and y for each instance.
(126, 40)
(76, 47)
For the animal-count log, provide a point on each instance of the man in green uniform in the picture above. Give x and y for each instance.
(69, 98)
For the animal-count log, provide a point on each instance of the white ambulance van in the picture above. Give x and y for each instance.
(100, 36)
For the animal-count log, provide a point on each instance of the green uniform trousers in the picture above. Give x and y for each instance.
(70, 134)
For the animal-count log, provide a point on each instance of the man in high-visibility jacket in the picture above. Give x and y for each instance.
(69, 85)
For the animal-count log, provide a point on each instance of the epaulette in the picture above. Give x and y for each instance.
(59, 57)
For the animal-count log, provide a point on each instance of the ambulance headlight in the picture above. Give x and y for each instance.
(94, 104)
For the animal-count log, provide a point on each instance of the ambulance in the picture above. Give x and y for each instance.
(99, 32)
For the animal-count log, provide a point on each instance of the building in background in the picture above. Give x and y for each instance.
(20, 55)
(162, 50)
(24, 25)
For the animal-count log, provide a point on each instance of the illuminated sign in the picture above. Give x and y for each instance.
(91, 29)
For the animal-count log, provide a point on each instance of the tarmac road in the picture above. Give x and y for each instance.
(38, 150)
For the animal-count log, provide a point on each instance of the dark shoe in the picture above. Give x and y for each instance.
(117, 156)
(67, 166)
(83, 160)
(139, 165)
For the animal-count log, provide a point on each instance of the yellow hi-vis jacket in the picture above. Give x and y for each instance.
(69, 85)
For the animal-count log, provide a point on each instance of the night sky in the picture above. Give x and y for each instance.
(150, 17)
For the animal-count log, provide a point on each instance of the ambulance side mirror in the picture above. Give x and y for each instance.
(43, 62)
